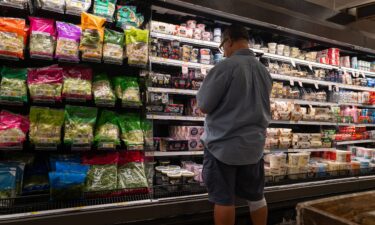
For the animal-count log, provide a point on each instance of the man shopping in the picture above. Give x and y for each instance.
(235, 95)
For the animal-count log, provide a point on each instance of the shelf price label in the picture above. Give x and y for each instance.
(316, 85)
(203, 70)
(310, 66)
(293, 62)
(291, 82)
(300, 83)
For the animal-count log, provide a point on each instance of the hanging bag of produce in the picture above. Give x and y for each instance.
(19, 4)
(13, 88)
(42, 38)
(127, 90)
(137, 46)
(127, 17)
(45, 84)
(92, 37)
(65, 158)
(67, 185)
(77, 83)
(103, 92)
(113, 49)
(51, 5)
(13, 129)
(105, 8)
(68, 37)
(45, 126)
(148, 134)
(79, 125)
(13, 35)
(76, 7)
(131, 131)
(131, 172)
(107, 131)
(7, 185)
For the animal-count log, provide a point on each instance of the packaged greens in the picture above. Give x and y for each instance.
(36, 178)
(13, 129)
(51, 5)
(127, 17)
(148, 135)
(20, 4)
(71, 158)
(77, 83)
(92, 37)
(127, 89)
(137, 46)
(68, 36)
(65, 186)
(69, 167)
(76, 7)
(105, 8)
(20, 168)
(113, 49)
(45, 83)
(79, 125)
(102, 89)
(131, 131)
(107, 130)
(13, 35)
(102, 175)
(42, 38)
(13, 85)
(45, 125)
(7, 184)
(131, 171)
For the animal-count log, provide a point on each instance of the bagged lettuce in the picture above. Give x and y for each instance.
(51, 5)
(131, 171)
(20, 168)
(131, 131)
(7, 184)
(105, 8)
(76, 7)
(13, 85)
(13, 36)
(65, 158)
(102, 89)
(45, 84)
(107, 131)
(127, 90)
(68, 36)
(137, 46)
(77, 83)
(45, 125)
(66, 185)
(79, 125)
(20, 4)
(42, 38)
(113, 49)
(69, 167)
(127, 17)
(13, 129)
(92, 37)
(148, 134)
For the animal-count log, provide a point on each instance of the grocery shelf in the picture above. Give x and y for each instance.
(185, 40)
(354, 142)
(173, 91)
(173, 62)
(299, 150)
(312, 123)
(171, 117)
(173, 153)
(359, 72)
(304, 102)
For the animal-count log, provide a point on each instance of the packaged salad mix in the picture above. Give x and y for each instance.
(92, 37)
(45, 84)
(76, 7)
(42, 38)
(51, 5)
(7, 184)
(45, 126)
(13, 88)
(105, 8)
(68, 37)
(137, 46)
(131, 171)
(127, 90)
(13, 36)
(20, 168)
(79, 125)
(102, 90)
(131, 131)
(113, 49)
(20, 4)
(13, 129)
(127, 17)
(63, 158)
(67, 185)
(77, 83)
(107, 131)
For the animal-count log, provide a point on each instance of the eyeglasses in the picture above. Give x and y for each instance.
(221, 46)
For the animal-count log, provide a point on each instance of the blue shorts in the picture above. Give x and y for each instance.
(226, 182)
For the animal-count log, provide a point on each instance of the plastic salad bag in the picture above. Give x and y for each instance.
(147, 133)
(64, 186)
(71, 158)
(42, 38)
(131, 171)
(127, 89)
(127, 17)
(13, 87)
(79, 125)
(45, 125)
(92, 37)
(107, 130)
(76, 7)
(20, 4)
(131, 131)
(137, 46)
(36, 178)
(69, 167)
(68, 36)
(51, 5)
(105, 8)
(45, 83)
(102, 175)
(102, 89)
(20, 168)
(7, 184)
(13, 129)
(13, 35)
(113, 49)
(77, 83)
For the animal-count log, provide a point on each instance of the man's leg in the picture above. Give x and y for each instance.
(258, 212)
(224, 215)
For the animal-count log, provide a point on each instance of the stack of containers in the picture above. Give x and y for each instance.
(298, 165)
(329, 56)
(276, 166)
(190, 133)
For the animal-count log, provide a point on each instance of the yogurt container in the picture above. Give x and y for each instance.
(217, 32)
(191, 24)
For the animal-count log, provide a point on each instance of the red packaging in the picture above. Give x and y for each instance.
(13, 128)
(101, 159)
(77, 83)
(130, 156)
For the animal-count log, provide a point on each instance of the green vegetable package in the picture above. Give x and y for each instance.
(127, 89)
(107, 130)
(131, 171)
(137, 46)
(102, 89)
(113, 49)
(105, 8)
(13, 85)
(131, 132)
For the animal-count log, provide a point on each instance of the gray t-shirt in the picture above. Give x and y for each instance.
(236, 97)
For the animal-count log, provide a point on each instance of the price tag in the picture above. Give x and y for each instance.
(344, 70)
(337, 88)
(355, 74)
(300, 83)
(185, 69)
(293, 62)
(291, 82)
(203, 70)
(310, 66)
(363, 74)
(329, 87)
(316, 85)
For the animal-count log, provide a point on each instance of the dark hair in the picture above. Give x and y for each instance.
(236, 32)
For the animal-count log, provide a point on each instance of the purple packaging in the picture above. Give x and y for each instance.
(68, 37)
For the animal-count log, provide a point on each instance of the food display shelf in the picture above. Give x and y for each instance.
(173, 91)
(171, 117)
(173, 62)
(185, 40)
(354, 142)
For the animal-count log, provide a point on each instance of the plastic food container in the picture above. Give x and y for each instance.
(202, 27)
(191, 24)
(174, 180)
(217, 32)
